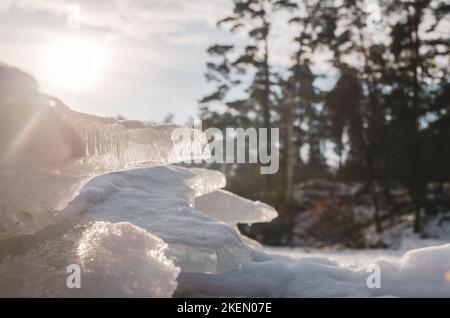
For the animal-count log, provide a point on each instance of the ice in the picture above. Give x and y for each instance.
(277, 277)
(233, 209)
(159, 200)
(116, 260)
(48, 152)
(52, 156)
(126, 216)
(205, 181)
(252, 280)
(85, 190)
(119, 219)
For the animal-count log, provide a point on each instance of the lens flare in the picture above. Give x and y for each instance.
(447, 276)
(73, 64)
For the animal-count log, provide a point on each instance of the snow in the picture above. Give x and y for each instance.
(142, 233)
(139, 229)
(419, 273)
(117, 219)
(198, 242)
(337, 213)
(112, 274)
(116, 260)
(356, 257)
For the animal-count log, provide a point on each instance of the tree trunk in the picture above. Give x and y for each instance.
(266, 102)
(417, 188)
(289, 144)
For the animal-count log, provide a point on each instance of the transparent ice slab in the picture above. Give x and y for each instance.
(51, 152)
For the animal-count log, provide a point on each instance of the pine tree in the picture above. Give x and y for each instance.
(415, 46)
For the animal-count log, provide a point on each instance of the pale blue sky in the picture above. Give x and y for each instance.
(154, 53)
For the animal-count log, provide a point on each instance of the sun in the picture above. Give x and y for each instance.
(73, 64)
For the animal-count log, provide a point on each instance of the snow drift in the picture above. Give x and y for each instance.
(419, 273)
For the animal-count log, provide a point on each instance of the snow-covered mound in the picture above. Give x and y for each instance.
(110, 273)
(419, 273)
(116, 260)
(160, 201)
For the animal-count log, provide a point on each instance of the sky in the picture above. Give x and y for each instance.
(150, 55)
(141, 59)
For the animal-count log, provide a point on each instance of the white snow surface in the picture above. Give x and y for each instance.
(160, 201)
(418, 273)
(116, 260)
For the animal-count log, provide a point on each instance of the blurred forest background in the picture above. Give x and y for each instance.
(365, 156)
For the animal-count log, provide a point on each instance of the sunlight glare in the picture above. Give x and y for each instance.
(73, 64)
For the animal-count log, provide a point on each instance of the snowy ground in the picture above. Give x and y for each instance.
(418, 273)
(346, 257)
(355, 257)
